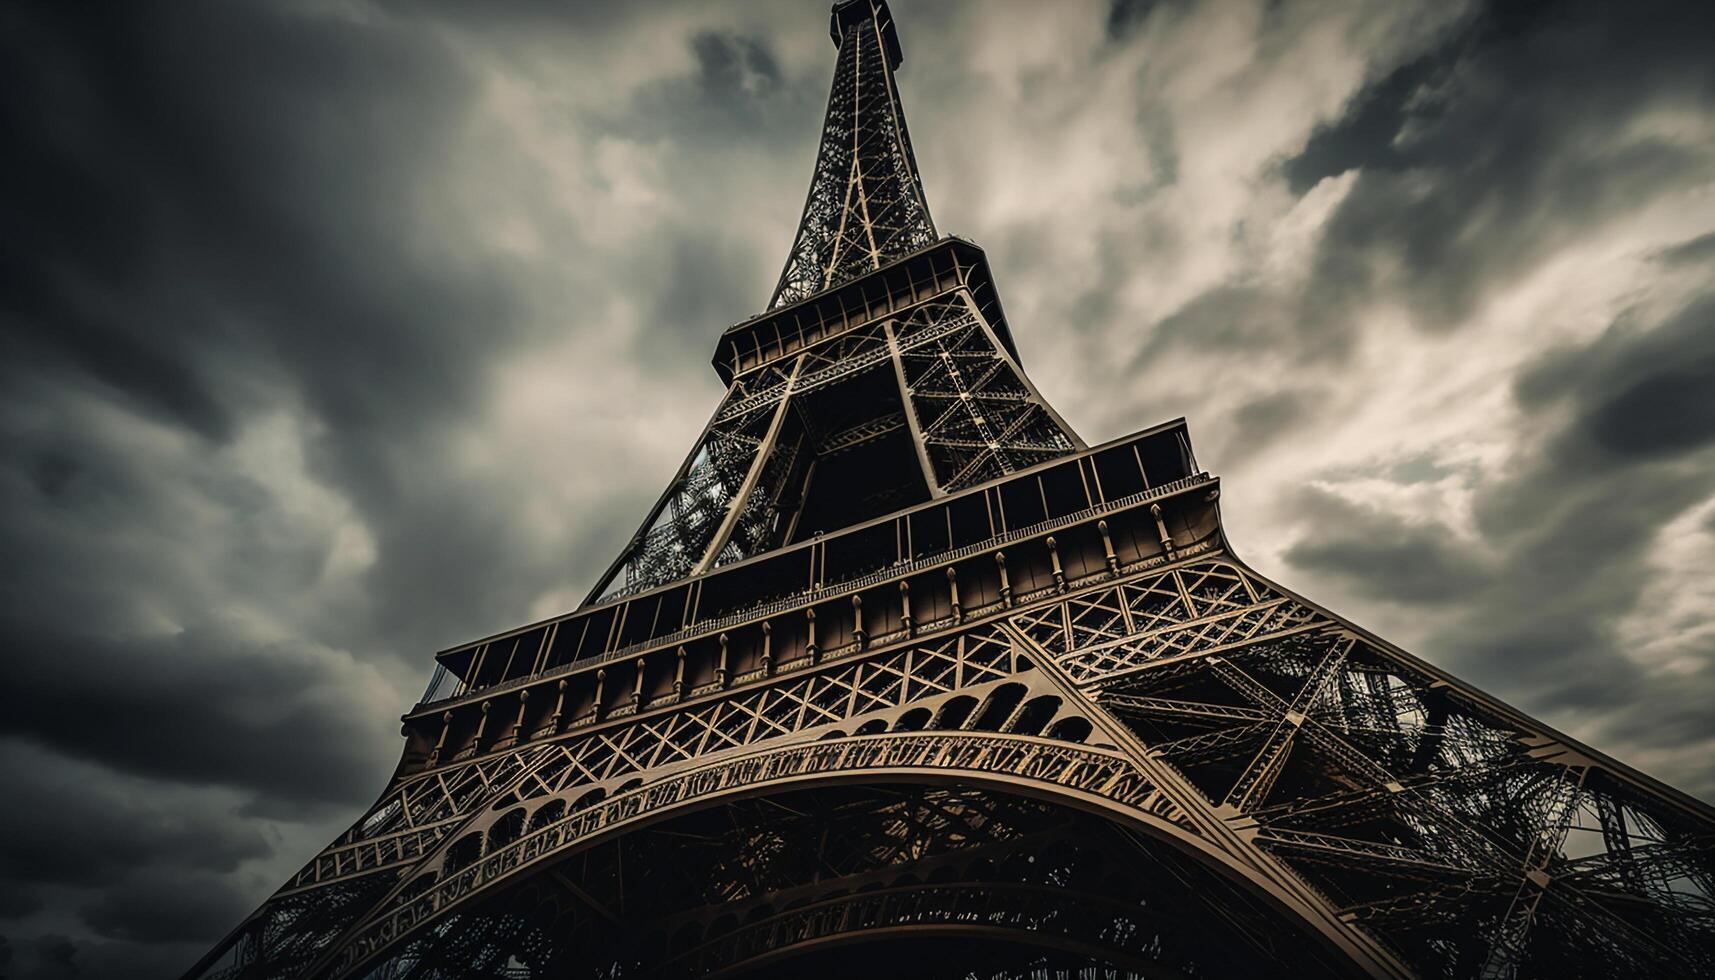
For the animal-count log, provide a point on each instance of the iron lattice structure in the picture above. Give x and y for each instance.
(866, 203)
(899, 667)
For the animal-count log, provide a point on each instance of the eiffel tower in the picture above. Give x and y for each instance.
(901, 676)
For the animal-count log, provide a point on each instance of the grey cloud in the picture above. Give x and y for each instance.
(1266, 418)
(1478, 160)
(194, 244)
(1638, 392)
(159, 867)
(165, 907)
(1697, 250)
(1573, 530)
(735, 64)
(1383, 558)
(56, 956)
(705, 278)
(175, 227)
(739, 96)
(1126, 16)
(219, 212)
(1364, 137)
(121, 826)
(204, 706)
(1228, 317)
(107, 535)
(1419, 468)
(1474, 163)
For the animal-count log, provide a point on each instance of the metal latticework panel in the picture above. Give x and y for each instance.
(866, 203)
(1193, 699)
(978, 415)
(970, 409)
(1466, 838)
(678, 532)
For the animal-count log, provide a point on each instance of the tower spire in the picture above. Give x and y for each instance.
(866, 205)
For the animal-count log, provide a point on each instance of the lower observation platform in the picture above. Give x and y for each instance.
(943, 563)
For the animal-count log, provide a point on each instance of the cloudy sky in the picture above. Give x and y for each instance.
(336, 332)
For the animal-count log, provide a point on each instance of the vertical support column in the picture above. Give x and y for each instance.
(440, 743)
(1161, 529)
(476, 666)
(632, 548)
(909, 407)
(559, 708)
(518, 724)
(735, 507)
(953, 594)
(481, 728)
(1108, 548)
(1078, 444)
(547, 644)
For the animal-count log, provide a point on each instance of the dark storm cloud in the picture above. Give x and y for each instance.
(404, 313)
(704, 279)
(202, 706)
(1473, 163)
(1567, 538)
(119, 829)
(207, 207)
(1697, 250)
(1478, 160)
(704, 274)
(105, 532)
(1385, 558)
(222, 199)
(171, 227)
(225, 216)
(1229, 316)
(734, 64)
(1639, 393)
(197, 906)
(141, 864)
(1125, 16)
(1262, 420)
(57, 956)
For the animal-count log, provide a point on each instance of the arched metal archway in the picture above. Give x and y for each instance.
(1097, 781)
(860, 871)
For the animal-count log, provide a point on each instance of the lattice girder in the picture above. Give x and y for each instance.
(1433, 818)
(761, 878)
(865, 205)
(976, 414)
(1426, 817)
(972, 413)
